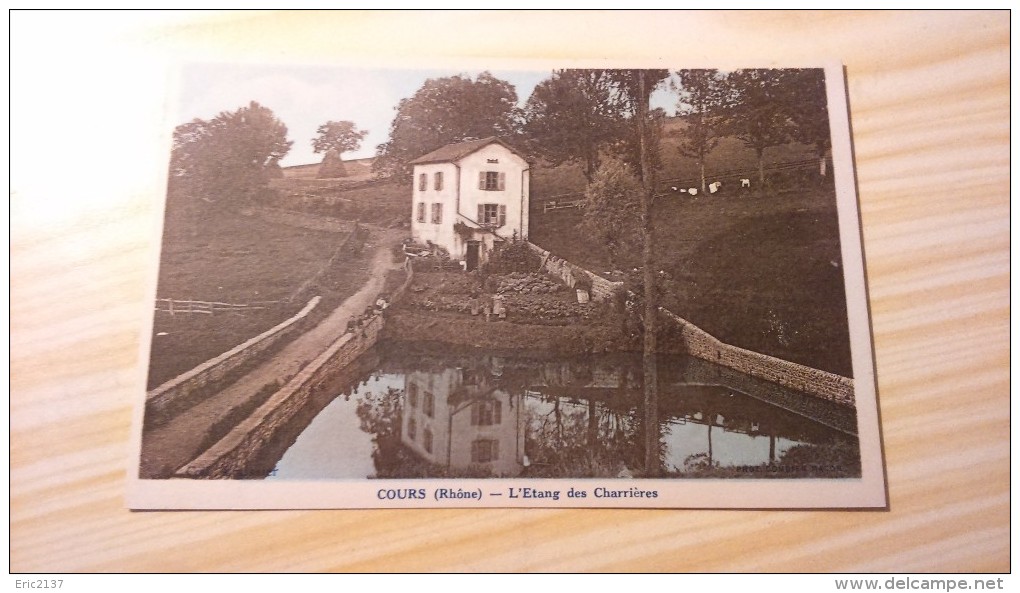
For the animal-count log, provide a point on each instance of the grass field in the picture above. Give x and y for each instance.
(729, 155)
(239, 259)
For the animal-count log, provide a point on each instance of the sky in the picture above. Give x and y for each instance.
(305, 97)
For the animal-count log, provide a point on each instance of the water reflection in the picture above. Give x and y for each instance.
(493, 416)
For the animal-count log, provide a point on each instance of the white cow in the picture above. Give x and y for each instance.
(714, 186)
(745, 182)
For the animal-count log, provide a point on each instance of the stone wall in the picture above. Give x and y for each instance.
(567, 272)
(701, 344)
(176, 391)
(232, 455)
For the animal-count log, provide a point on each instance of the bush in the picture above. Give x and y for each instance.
(513, 256)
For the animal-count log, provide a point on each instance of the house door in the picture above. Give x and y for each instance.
(473, 248)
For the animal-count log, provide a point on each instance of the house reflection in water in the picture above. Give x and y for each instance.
(510, 416)
(461, 418)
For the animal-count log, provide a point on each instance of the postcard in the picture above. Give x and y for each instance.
(553, 285)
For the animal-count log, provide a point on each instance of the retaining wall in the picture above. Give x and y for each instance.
(232, 455)
(701, 344)
(569, 273)
(697, 342)
(177, 390)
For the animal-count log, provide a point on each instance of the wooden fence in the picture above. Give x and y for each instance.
(175, 306)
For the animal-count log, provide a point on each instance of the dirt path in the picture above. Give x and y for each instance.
(173, 444)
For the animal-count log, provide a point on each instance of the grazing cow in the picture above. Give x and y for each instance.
(693, 191)
(745, 182)
(714, 186)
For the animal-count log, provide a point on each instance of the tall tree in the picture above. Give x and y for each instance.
(701, 93)
(447, 110)
(759, 111)
(229, 159)
(573, 115)
(637, 87)
(335, 138)
(809, 112)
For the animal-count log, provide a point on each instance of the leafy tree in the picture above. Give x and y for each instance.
(335, 138)
(809, 112)
(759, 112)
(573, 115)
(612, 212)
(444, 111)
(229, 159)
(701, 94)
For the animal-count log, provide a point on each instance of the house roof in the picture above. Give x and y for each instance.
(454, 152)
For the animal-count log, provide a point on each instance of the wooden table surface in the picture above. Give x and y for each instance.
(929, 97)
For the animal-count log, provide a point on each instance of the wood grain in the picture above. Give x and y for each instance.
(929, 98)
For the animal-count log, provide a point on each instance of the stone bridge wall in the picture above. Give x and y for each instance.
(175, 392)
(231, 456)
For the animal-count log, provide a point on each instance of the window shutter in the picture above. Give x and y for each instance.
(502, 181)
(475, 415)
(439, 180)
(497, 412)
(481, 214)
(502, 213)
(495, 450)
(481, 180)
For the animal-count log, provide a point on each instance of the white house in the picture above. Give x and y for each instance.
(469, 196)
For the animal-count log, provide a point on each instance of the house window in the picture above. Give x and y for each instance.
(486, 413)
(426, 440)
(438, 184)
(491, 181)
(412, 395)
(429, 405)
(412, 429)
(484, 450)
(422, 181)
(492, 214)
(437, 213)
(421, 211)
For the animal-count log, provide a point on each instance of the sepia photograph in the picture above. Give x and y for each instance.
(487, 291)
(566, 286)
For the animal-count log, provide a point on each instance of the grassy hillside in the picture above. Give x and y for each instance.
(235, 259)
(357, 170)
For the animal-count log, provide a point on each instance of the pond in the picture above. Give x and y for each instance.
(412, 413)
